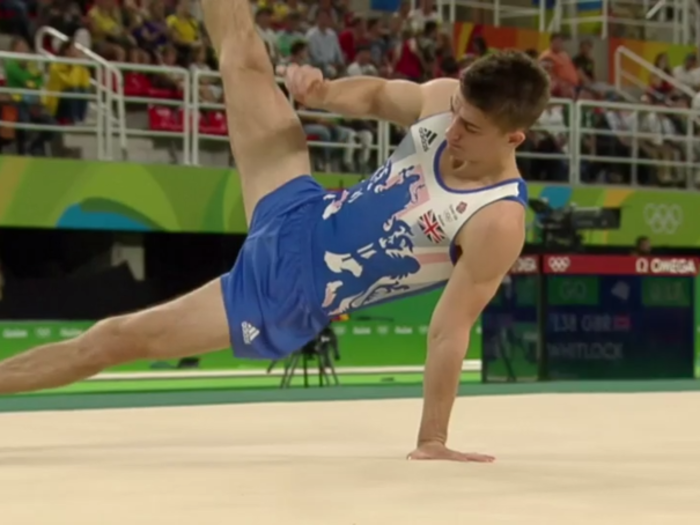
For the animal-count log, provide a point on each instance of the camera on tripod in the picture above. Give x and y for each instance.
(323, 349)
(561, 227)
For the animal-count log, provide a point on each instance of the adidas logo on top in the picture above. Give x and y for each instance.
(427, 138)
(249, 332)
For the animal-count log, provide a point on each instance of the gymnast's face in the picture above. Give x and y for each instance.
(473, 137)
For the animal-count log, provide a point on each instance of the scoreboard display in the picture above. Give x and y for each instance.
(585, 317)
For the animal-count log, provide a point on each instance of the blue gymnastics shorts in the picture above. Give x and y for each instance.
(268, 294)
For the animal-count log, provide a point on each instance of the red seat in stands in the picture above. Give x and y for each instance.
(213, 123)
(163, 118)
(156, 92)
(136, 84)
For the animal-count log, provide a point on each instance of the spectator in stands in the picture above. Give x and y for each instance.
(279, 10)
(364, 130)
(263, 24)
(289, 34)
(334, 19)
(443, 51)
(168, 81)
(71, 79)
(210, 89)
(688, 73)
(344, 11)
(449, 68)
(585, 66)
(324, 47)
(658, 87)
(353, 36)
(677, 140)
(328, 131)
(615, 141)
(584, 62)
(63, 15)
(480, 46)
(427, 48)
(282, 9)
(659, 148)
(394, 35)
(402, 18)
(133, 16)
(559, 88)
(408, 62)
(362, 65)
(425, 12)
(21, 74)
(378, 45)
(548, 138)
(152, 32)
(299, 53)
(21, 25)
(109, 36)
(563, 69)
(185, 31)
(642, 246)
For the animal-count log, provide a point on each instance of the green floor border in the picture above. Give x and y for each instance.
(28, 403)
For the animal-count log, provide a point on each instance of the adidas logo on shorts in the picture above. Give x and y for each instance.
(427, 138)
(249, 332)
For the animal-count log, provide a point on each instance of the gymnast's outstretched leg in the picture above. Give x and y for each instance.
(193, 324)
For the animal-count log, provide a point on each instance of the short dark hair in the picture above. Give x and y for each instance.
(556, 36)
(511, 88)
(297, 47)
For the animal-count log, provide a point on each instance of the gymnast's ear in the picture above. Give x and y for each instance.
(516, 138)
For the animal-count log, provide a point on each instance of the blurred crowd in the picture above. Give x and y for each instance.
(412, 43)
(409, 43)
(657, 138)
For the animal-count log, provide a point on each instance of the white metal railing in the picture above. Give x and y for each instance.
(379, 144)
(181, 101)
(555, 123)
(108, 81)
(502, 11)
(624, 77)
(658, 139)
(568, 126)
(25, 100)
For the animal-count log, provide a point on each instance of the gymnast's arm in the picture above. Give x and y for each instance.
(399, 101)
(490, 244)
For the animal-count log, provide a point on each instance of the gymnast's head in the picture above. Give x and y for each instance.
(499, 97)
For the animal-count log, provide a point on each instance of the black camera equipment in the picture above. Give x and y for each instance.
(323, 349)
(561, 227)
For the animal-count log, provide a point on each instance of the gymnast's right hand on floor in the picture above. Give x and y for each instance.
(438, 451)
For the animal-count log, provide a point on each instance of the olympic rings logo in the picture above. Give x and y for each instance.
(559, 264)
(663, 218)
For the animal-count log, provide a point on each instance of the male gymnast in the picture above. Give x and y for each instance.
(447, 208)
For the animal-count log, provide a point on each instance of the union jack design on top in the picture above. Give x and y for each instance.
(431, 227)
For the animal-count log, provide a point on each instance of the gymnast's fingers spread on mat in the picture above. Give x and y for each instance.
(437, 451)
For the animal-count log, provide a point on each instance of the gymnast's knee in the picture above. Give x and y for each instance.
(118, 340)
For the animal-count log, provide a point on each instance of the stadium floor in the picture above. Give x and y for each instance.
(608, 459)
